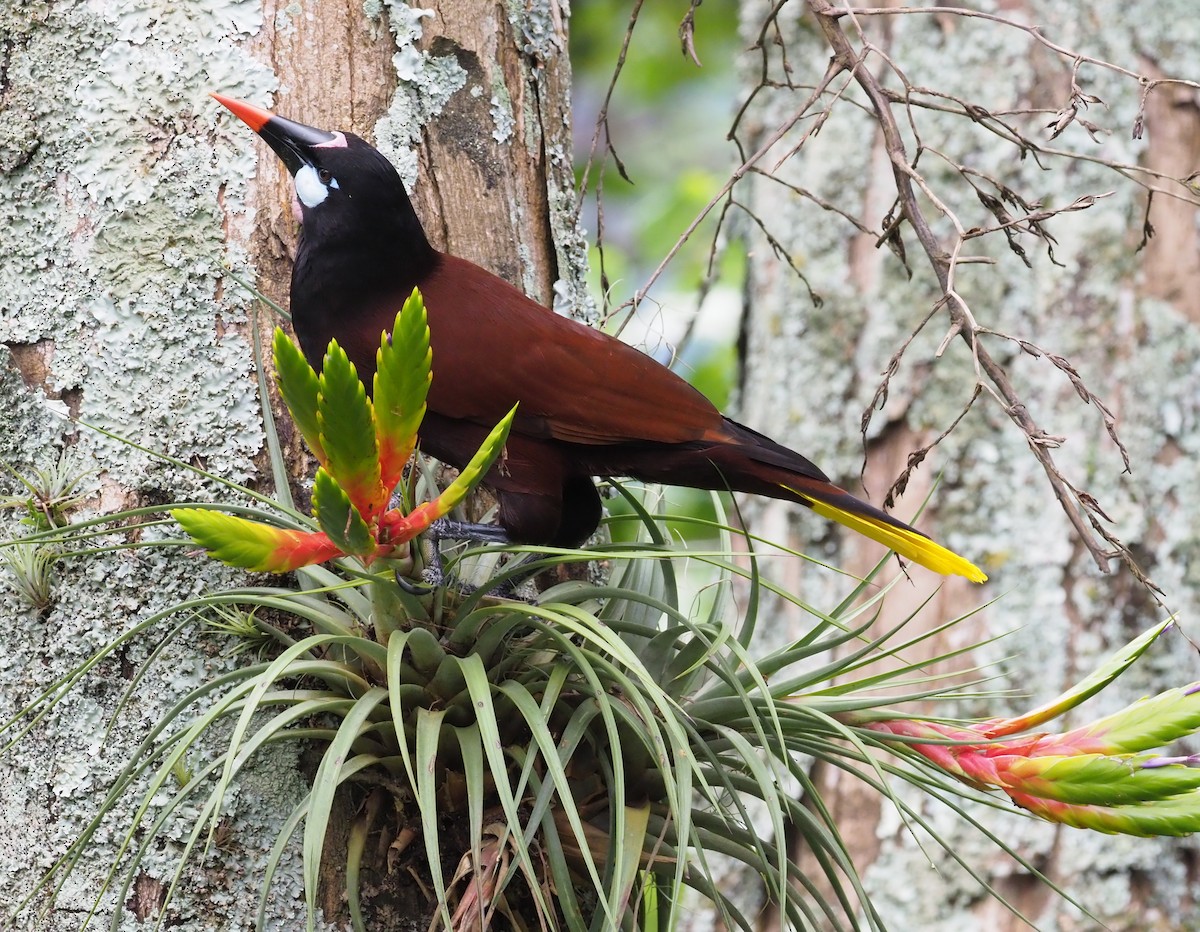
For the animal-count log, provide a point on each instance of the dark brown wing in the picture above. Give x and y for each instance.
(493, 346)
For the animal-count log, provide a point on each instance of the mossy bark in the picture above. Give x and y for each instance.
(130, 206)
(1125, 319)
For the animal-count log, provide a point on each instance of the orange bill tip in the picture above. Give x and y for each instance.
(254, 117)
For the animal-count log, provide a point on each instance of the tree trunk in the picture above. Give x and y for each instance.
(1126, 320)
(126, 196)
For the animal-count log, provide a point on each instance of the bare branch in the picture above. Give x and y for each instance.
(1034, 31)
(941, 260)
(918, 456)
(780, 131)
(602, 129)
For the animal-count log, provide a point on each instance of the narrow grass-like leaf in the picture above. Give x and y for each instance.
(429, 730)
(299, 704)
(560, 871)
(167, 771)
(573, 738)
(480, 690)
(535, 720)
(397, 642)
(258, 295)
(328, 778)
(290, 824)
(349, 770)
(676, 763)
(470, 746)
(649, 904)
(321, 581)
(626, 854)
(412, 758)
(284, 665)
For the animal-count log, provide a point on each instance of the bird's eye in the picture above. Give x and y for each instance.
(324, 175)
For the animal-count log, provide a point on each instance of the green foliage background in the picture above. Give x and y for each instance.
(668, 119)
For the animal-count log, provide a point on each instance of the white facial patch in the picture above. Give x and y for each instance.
(309, 188)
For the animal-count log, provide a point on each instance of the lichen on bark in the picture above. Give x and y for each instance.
(812, 371)
(127, 199)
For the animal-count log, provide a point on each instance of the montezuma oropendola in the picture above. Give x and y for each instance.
(590, 405)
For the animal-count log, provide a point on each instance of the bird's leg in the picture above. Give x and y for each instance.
(411, 587)
(436, 574)
(446, 529)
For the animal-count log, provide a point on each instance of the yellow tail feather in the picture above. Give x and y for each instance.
(908, 543)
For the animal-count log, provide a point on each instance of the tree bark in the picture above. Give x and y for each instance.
(1126, 320)
(126, 198)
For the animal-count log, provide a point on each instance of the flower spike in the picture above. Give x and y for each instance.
(362, 446)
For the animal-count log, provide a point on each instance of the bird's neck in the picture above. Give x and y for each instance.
(348, 278)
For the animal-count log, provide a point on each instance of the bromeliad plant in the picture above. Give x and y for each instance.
(363, 445)
(569, 763)
(1103, 776)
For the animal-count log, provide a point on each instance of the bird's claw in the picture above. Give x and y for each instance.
(436, 576)
(412, 587)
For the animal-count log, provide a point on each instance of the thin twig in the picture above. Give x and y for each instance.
(737, 175)
(962, 322)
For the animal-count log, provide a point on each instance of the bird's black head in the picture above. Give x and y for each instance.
(347, 193)
(361, 248)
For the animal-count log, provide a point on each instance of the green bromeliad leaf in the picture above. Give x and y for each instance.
(250, 545)
(481, 462)
(299, 387)
(402, 377)
(1113, 666)
(1100, 779)
(1151, 722)
(347, 421)
(471, 475)
(338, 517)
(1177, 815)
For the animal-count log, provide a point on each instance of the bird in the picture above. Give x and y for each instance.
(589, 405)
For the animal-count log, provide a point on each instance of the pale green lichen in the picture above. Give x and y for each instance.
(426, 82)
(503, 121)
(120, 180)
(537, 25)
(813, 373)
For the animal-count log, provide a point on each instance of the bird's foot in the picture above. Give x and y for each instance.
(445, 529)
(436, 575)
(412, 587)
